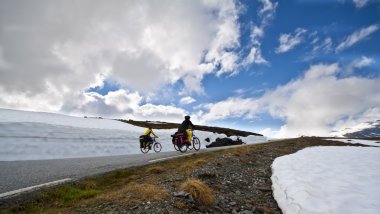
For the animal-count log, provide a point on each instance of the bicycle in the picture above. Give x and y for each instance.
(180, 145)
(148, 146)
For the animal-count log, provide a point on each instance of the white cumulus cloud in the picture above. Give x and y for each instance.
(121, 104)
(314, 104)
(52, 51)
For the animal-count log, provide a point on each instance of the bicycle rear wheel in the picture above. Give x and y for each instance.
(144, 149)
(182, 147)
(196, 143)
(157, 147)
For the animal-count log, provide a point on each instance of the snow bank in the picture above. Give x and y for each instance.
(364, 142)
(35, 135)
(328, 180)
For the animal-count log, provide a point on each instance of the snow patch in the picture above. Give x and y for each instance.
(36, 135)
(328, 180)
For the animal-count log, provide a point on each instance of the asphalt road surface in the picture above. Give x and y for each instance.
(17, 177)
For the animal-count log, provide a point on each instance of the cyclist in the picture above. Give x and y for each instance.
(184, 128)
(148, 138)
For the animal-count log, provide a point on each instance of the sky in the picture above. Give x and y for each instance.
(283, 69)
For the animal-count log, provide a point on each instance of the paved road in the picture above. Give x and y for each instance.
(16, 175)
(21, 174)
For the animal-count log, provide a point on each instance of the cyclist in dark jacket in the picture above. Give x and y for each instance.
(184, 127)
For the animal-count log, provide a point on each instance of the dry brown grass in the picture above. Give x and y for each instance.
(200, 162)
(244, 160)
(155, 169)
(88, 184)
(237, 153)
(190, 165)
(199, 191)
(135, 193)
(282, 151)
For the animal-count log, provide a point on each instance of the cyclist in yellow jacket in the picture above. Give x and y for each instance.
(148, 138)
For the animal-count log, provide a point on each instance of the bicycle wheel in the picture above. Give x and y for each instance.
(176, 147)
(144, 149)
(182, 147)
(157, 147)
(196, 143)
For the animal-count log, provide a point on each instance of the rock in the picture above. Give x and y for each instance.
(238, 193)
(264, 189)
(180, 194)
(232, 203)
(219, 209)
(246, 212)
(135, 207)
(224, 142)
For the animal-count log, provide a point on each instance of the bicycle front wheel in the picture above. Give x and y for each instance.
(176, 147)
(157, 147)
(196, 143)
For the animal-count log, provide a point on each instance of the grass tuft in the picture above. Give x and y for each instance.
(135, 193)
(199, 191)
(155, 170)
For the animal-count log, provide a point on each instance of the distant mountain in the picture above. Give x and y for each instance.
(371, 132)
(363, 130)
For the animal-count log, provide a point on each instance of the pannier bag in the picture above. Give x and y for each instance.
(142, 141)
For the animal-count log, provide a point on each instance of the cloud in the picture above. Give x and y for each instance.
(356, 37)
(187, 100)
(121, 104)
(267, 11)
(255, 57)
(266, 14)
(314, 104)
(360, 3)
(289, 41)
(326, 46)
(358, 64)
(53, 51)
(363, 62)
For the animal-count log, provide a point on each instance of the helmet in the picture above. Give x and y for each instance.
(187, 117)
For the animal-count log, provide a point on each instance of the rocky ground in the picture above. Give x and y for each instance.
(239, 179)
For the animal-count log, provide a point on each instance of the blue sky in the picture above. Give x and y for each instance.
(304, 67)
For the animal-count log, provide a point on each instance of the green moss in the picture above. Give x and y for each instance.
(67, 195)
